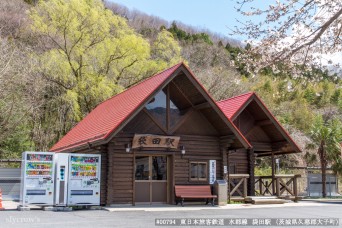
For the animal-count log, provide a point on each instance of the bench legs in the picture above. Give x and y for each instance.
(213, 202)
(181, 200)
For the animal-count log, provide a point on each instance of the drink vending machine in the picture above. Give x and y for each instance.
(37, 178)
(60, 179)
(77, 179)
(84, 179)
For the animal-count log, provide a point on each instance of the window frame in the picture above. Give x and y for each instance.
(169, 127)
(198, 179)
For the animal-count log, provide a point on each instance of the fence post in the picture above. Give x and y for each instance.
(295, 187)
(277, 186)
(244, 187)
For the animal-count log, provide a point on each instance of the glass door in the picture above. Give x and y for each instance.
(150, 179)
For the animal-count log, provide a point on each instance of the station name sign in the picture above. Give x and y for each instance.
(143, 140)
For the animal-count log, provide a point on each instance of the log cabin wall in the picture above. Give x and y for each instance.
(120, 171)
(199, 148)
(239, 162)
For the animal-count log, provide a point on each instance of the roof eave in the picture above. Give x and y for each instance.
(284, 133)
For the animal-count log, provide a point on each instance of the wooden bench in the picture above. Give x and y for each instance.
(194, 192)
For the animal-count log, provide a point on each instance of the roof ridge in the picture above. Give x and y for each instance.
(144, 80)
(230, 98)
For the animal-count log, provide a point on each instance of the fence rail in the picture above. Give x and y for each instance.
(282, 185)
(237, 189)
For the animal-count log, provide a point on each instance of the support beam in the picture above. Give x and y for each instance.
(251, 180)
(281, 146)
(250, 131)
(229, 139)
(263, 122)
(273, 175)
(202, 106)
(262, 146)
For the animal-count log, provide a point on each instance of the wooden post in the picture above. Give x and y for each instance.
(228, 176)
(104, 171)
(251, 180)
(273, 175)
(244, 187)
(295, 188)
(278, 186)
(260, 186)
(110, 184)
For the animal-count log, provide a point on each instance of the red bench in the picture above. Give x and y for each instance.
(194, 192)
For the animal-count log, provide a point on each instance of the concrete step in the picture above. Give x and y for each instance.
(251, 198)
(268, 201)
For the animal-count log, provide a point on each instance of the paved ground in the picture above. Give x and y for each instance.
(145, 216)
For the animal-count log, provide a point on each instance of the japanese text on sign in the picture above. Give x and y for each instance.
(260, 222)
(140, 140)
(212, 171)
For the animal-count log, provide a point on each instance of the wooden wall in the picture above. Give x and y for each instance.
(201, 141)
(240, 160)
(198, 148)
(120, 166)
(120, 171)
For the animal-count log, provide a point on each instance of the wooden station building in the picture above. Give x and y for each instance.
(166, 131)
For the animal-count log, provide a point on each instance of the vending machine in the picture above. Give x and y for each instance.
(37, 173)
(84, 179)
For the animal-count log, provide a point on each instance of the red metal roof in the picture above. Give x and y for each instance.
(232, 105)
(108, 115)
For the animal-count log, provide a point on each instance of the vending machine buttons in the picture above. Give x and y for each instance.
(62, 169)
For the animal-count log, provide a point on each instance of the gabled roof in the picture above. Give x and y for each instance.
(109, 115)
(232, 107)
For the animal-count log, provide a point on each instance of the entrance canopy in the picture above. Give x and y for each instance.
(251, 116)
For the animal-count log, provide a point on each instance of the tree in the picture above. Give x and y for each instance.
(326, 134)
(17, 89)
(90, 53)
(293, 33)
(165, 49)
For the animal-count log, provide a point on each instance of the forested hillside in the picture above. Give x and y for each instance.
(59, 59)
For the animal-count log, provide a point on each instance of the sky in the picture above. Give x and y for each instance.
(218, 16)
(215, 15)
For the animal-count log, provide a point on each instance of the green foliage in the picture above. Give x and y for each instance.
(327, 133)
(185, 36)
(234, 53)
(165, 50)
(93, 51)
(89, 55)
(31, 2)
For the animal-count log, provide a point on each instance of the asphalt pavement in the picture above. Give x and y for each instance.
(146, 216)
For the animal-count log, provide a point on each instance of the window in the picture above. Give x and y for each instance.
(198, 171)
(178, 105)
(157, 108)
(168, 105)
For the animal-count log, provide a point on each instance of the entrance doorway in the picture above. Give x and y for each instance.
(151, 179)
